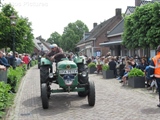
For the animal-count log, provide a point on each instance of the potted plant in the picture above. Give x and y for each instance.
(106, 72)
(136, 78)
(91, 68)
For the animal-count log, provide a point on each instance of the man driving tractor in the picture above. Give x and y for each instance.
(56, 54)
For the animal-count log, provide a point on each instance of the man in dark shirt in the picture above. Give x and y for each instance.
(3, 60)
(56, 53)
(112, 66)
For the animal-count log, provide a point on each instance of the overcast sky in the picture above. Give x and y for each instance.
(48, 16)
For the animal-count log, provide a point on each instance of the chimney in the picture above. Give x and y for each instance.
(94, 25)
(118, 12)
(137, 2)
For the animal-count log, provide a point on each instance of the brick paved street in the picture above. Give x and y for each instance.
(113, 102)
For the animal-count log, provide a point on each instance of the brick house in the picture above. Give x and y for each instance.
(40, 45)
(115, 37)
(91, 40)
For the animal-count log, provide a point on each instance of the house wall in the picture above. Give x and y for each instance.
(88, 48)
(115, 38)
(125, 51)
(103, 38)
(36, 50)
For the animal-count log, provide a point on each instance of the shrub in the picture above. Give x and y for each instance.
(105, 67)
(14, 76)
(34, 62)
(135, 72)
(91, 65)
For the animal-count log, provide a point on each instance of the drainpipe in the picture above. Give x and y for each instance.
(93, 47)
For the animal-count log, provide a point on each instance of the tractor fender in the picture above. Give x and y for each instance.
(45, 61)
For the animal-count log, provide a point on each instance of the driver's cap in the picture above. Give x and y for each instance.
(53, 46)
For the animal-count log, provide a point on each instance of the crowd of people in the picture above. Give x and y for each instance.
(7, 60)
(121, 65)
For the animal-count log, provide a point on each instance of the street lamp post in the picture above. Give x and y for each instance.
(13, 23)
(0, 3)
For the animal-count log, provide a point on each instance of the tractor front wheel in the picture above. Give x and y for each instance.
(44, 73)
(48, 91)
(44, 96)
(91, 94)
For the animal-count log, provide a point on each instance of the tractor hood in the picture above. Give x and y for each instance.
(66, 64)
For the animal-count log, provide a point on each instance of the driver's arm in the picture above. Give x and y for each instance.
(48, 56)
(60, 52)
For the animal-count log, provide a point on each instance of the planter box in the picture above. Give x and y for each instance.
(136, 82)
(91, 70)
(108, 74)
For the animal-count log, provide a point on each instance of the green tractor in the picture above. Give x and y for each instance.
(71, 76)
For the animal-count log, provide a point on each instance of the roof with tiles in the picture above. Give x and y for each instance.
(39, 45)
(131, 8)
(100, 28)
(118, 29)
(97, 30)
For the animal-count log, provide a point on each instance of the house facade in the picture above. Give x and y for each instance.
(90, 42)
(40, 45)
(115, 37)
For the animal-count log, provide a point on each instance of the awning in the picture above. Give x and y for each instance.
(110, 43)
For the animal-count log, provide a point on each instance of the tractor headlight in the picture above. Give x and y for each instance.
(50, 75)
(84, 74)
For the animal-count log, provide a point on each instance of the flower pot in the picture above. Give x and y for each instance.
(108, 74)
(136, 82)
(91, 70)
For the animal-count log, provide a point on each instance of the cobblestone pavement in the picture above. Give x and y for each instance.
(113, 102)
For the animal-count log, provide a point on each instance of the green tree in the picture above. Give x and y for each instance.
(141, 29)
(54, 38)
(4, 30)
(22, 28)
(68, 43)
(72, 34)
